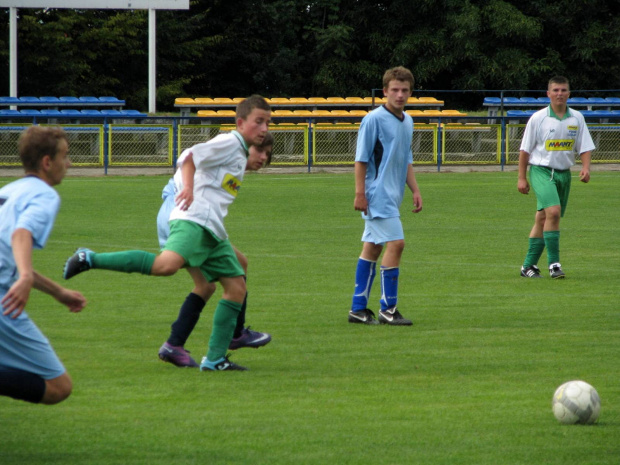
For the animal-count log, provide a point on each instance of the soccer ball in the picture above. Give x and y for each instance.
(576, 402)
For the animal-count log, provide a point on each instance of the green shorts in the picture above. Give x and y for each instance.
(202, 249)
(550, 186)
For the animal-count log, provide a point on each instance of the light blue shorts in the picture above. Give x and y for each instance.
(382, 230)
(163, 228)
(24, 347)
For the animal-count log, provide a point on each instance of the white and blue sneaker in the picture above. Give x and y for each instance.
(77, 263)
(220, 365)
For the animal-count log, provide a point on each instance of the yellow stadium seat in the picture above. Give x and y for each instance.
(335, 100)
(299, 100)
(316, 100)
(184, 101)
(415, 112)
(204, 113)
(281, 113)
(226, 113)
(452, 113)
(238, 99)
(432, 113)
(278, 101)
(302, 113)
(354, 100)
(358, 112)
(340, 113)
(203, 101)
(413, 101)
(430, 101)
(321, 113)
(223, 101)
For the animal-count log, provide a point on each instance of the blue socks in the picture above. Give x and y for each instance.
(389, 287)
(364, 276)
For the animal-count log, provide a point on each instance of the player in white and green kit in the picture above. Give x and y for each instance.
(208, 181)
(552, 138)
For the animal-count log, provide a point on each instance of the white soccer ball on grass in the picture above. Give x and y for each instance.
(576, 402)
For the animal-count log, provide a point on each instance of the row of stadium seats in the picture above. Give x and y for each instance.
(61, 101)
(586, 113)
(535, 101)
(302, 101)
(332, 113)
(72, 112)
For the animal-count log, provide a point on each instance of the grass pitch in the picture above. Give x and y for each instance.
(470, 383)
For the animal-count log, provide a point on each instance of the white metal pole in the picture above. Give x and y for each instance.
(152, 61)
(13, 52)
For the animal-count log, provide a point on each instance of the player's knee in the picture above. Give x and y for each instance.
(57, 390)
(204, 290)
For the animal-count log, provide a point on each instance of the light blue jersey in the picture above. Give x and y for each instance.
(27, 203)
(384, 144)
(31, 204)
(163, 217)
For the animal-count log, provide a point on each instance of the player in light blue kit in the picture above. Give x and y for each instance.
(29, 368)
(383, 166)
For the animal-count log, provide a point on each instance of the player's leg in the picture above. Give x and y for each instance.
(551, 189)
(536, 246)
(365, 273)
(30, 370)
(245, 337)
(224, 322)
(173, 350)
(390, 271)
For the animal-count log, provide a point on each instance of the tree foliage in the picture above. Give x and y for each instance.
(314, 48)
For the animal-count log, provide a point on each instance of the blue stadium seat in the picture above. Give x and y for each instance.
(50, 112)
(90, 113)
(577, 101)
(597, 100)
(9, 113)
(8, 100)
(110, 112)
(516, 113)
(492, 101)
(69, 99)
(30, 112)
(49, 99)
(615, 101)
(111, 100)
(532, 100)
(70, 111)
(511, 100)
(132, 113)
(544, 100)
(89, 99)
(29, 100)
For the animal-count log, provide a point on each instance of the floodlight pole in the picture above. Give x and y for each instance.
(152, 61)
(13, 51)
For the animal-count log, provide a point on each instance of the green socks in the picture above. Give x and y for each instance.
(130, 261)
(552, 242)
(224, 322)
(534, 251)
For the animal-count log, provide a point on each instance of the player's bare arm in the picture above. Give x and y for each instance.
(18, 294)
(412, 183)
(522, 185)
(186, 197)
(361, 202)
(584, 174)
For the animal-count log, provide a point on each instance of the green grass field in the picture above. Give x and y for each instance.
(470, 383)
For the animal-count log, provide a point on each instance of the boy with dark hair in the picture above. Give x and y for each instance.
(383, 166)
(208, 181)
(30, 370)
(173, 350)
(551, 139)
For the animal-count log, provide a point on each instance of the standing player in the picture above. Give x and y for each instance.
(173, 349)
(30, 370)
(208, 181)
(552, 137)
(383, 166)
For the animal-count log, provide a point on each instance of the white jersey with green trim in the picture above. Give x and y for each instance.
(553, 142)
(220, 165)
